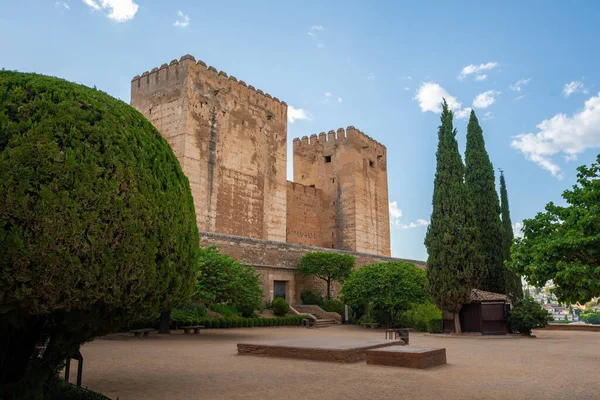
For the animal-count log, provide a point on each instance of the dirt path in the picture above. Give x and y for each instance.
(556, 365)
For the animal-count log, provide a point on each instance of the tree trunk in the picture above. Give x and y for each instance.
(165, 322)
(329, 289)
(457, 323)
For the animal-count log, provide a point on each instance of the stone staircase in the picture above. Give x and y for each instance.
(323, 322)
(322, 318)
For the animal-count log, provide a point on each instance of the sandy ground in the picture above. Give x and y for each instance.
(555, 365)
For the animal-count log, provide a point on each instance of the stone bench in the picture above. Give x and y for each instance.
(407, 356)
(140, 332)
(195, 328)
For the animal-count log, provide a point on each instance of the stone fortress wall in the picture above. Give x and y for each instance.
(231, 141)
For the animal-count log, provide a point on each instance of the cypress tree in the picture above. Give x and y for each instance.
(514, 288)
(453, 259)
(481, 184)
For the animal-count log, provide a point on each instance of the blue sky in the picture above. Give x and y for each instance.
(530, 70)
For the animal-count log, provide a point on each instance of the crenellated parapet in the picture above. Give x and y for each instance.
(178, 70)
(341, 135)
(306, 189)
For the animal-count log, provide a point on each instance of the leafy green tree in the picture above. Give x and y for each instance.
(528, 315)
(513, 286)
(222, 280)
(327, 266)
(386, 288)
(591, 318)
(97, 224)
(481, 184)
(561, 244)
(454, 263)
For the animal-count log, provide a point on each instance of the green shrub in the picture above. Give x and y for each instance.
(367, 319)
(436, 326)
(246, 311)
(280, 307)
(309, 297)
(591, 317)
(215, 323)
(225, 310)
(57, 389)
(97, 223)
(334, 306)
(528, 315)
(419, 317)
(189, 314)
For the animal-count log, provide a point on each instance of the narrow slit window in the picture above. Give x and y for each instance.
(327, 159)
(332, 180)
(371, 163)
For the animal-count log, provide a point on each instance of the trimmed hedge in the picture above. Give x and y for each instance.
(239, 322)
(280, 307)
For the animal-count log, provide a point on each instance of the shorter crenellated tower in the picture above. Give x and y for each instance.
(350, 169)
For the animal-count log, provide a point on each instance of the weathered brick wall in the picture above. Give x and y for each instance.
(304, 215)
(278, 258)
(351, 170)
(231, 141)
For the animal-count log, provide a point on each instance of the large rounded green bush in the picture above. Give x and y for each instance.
(280, 307)
(97, 223)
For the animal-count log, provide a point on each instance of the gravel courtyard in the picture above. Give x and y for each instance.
(555, 365)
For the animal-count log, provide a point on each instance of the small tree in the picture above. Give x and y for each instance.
(528, 315)
(386, 287)
(454, 265)
(327, 266)
(221, 279)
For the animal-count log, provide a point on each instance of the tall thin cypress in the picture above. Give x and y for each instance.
(453, 259)
(514, 288)
(481, 183)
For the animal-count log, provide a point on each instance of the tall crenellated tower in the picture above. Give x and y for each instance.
(230, 139)
(350, 169)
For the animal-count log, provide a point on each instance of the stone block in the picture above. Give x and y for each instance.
(407, 356)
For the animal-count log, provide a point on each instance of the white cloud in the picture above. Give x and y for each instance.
(395, 213)
(520, 97)
(297, 114)
(117, 10)
(327, 94)
(407, 88)
(312, 32)
(477, 70)
(371, 77)
(573, 87)
(488, 115)
(517, 229)
(519, 84)
(569, 135)
(62, 4)
(485, 99)
(183, 20)
(430, 95)
(340, 100)
(409, 78)
(416, 224)
(462, 114)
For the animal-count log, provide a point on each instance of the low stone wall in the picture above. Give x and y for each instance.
(572, 327)
(278, 261)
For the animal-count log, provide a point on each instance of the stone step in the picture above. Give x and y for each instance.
(325, 322)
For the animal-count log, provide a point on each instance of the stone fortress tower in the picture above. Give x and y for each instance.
(231, 141)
